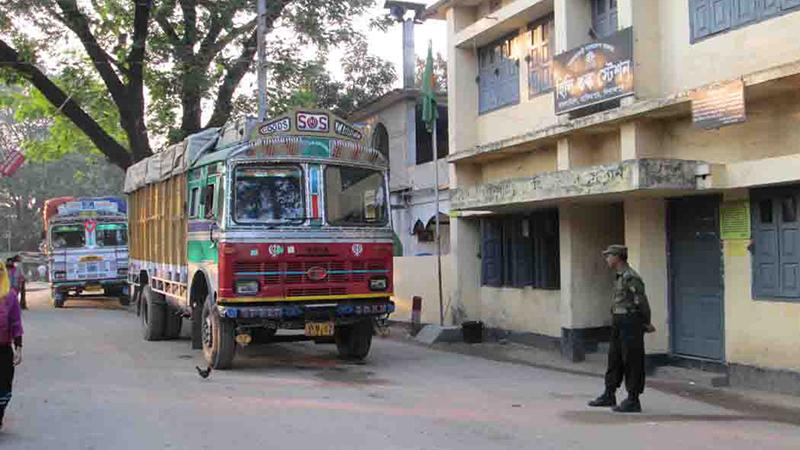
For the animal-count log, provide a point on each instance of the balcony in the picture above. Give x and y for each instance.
(654, 175)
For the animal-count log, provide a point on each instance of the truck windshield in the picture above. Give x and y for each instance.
(355, 196)
(112, 234)
(68, 236)
(268, 194)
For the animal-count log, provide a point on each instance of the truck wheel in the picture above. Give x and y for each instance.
(58, 299)
(153, 315)
(219, 344)
(124, 300)
(354, 341)
(174, 320)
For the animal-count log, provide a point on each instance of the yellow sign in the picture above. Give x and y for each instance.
(314, 329)
(91, 258)
(734, 220)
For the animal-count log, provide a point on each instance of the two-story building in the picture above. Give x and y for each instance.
(672, 126)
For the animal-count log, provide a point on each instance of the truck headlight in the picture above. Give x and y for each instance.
(247, 287)
(378, 284)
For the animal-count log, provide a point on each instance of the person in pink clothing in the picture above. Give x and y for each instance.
(10, 338)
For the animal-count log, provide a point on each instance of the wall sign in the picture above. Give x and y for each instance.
(281, 125)
(718, 106)
(594, 73)
(734, 220)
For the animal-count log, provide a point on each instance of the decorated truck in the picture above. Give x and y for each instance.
(259, 227)
(86, 243)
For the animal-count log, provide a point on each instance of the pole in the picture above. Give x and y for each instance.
(437, 235)
(262, 59)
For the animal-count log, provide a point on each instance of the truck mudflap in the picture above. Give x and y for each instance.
(309, 312)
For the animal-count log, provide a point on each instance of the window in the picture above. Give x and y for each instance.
(355, 196)
(540, 58)
(604, 17)
(194, 202)
(519, 251)
(709, 17)
(424, 138)
(112, 234)
(210, 212)
(68, 236)
(380, 140)
(272, 194)
(776, 239)
(498, 76)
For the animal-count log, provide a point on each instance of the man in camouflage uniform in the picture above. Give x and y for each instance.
(631, 319)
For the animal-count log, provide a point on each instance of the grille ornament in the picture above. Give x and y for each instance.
(316, 273)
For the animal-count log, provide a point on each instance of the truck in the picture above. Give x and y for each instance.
(257, 227)
(86, 244)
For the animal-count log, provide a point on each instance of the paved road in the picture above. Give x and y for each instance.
(90, 382)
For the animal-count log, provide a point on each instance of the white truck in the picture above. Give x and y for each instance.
(87, 247)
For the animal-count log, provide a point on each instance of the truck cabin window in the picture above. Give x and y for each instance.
(355, 196)
(72, 236)
(268, 195)
(112, 235)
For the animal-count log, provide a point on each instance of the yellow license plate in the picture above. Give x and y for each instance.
(314, 329)
(93, 287)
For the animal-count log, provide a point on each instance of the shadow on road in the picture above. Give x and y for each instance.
(610, 418)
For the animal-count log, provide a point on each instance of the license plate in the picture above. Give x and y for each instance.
(314, 329)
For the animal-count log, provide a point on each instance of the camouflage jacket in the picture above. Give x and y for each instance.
(629, 295)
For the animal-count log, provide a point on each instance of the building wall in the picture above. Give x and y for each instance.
(521, 310)
(520, 165)
(417, 276)
(727, 55)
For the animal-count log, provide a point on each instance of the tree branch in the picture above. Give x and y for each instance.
(211, 50)
(189, 9)
(115, 152)
(234, 75)
(135, 58)
(79, 24)
(162, 19)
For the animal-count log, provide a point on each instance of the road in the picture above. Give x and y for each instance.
(89, 382)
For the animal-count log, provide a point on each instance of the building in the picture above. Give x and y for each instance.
(670, 126)
(394, 126)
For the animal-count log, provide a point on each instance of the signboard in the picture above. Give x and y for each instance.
(734, 220)
(317, 122)
(281, 125)
(10, 162)
(86, 208)
(718, 106)
(594, 73)
(344, 129)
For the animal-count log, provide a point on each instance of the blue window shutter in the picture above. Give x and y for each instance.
(720, 15)
(766, 254)
(744, 11)
(769, 8)
(700, 18)
(491, 253)
(789, 240)
(522, 252)
(789, 4)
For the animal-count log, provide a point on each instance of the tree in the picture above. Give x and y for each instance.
(198, 51)
(439, 72)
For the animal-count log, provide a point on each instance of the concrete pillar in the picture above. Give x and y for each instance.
(586, 282)
(643, 16)
(465, 270)
(462, 100)
(563, 155)
(640, 139)
(573, 18)
(646, 238)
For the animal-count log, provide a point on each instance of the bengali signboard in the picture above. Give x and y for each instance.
(719, 105)
(594, 73)
(735, 220)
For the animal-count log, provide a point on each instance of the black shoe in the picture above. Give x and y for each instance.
(629, 405)
(605, 400)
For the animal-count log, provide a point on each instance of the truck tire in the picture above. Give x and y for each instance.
(219, 344)
(173, 322)
(59, 299)
(153, 315)
(354, 341)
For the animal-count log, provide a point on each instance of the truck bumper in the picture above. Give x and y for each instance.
(81, 285)
(312, 311)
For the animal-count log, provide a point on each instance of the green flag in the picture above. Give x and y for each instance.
(429, 111)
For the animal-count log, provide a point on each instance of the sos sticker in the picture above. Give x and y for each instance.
(313, 122)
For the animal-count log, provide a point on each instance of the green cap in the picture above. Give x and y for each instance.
(616, 249)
